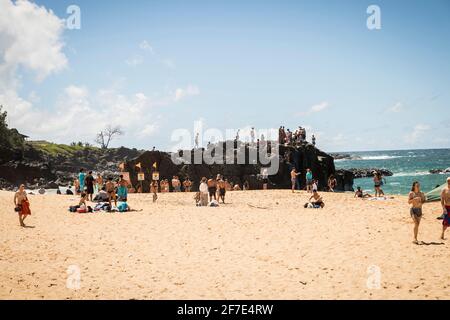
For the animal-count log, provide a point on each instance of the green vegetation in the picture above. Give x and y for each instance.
(9, 138)
(55, 149)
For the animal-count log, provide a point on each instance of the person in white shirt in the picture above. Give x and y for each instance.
(203, 192)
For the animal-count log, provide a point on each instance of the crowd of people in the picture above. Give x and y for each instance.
(213, 190)
(296, 137)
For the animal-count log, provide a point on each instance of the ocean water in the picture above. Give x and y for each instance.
(407, 165)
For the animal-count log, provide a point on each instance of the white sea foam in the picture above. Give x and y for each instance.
(411, 174)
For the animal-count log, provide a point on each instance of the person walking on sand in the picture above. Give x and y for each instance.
(294, 175)
(309, 180)
(21, 205)
(416, 199)
(445, 201)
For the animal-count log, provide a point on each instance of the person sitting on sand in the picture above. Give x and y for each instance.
(332, 182)
(445, 202)
(111, 190)
(204, 190)
(317, 200)
(22, 205)
(416, 199)
(294, 175)
(212, 188)
(237, 187)
(83, 199)
(122, 189)
(360, 194)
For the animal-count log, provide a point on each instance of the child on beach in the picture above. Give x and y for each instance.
(22, 205)
(416, 199)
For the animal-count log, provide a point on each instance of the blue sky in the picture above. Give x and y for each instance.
(155, 66)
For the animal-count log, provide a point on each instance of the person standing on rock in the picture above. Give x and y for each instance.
(89, 185)
(21, 205)
(313, 140)
(294, 175)
(81, 179)
(309, 180)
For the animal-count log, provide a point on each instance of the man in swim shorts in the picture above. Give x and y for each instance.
(294, 175)
(221, 185)
(445, 201)
(212, 188)
(317, 199)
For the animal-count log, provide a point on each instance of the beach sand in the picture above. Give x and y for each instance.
(262, 245)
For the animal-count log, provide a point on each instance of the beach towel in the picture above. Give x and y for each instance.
(122, 207)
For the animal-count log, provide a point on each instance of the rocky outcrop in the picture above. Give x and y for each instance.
(36, 168)
(300, 157)
(344, 156)
(368, 172)
(440, 171)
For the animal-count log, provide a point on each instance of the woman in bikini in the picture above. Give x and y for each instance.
(21, 205)
(416, 199)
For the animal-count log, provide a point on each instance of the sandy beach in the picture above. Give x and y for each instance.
(262, 245)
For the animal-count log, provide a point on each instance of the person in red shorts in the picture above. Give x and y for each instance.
(21, 204)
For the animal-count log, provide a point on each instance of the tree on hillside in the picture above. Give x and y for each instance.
(9, 138)
(106, 136)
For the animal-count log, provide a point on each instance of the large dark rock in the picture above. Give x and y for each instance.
(300, 157)
(368, 172)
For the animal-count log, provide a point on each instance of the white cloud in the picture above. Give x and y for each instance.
(30, 37)
(145, 45)
(396, 108)
(135, 60)
(169, 63)
(188, 91)
(315, 108)
(416, 134)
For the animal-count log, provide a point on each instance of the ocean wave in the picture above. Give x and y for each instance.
(411, 174)
(381, 157)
